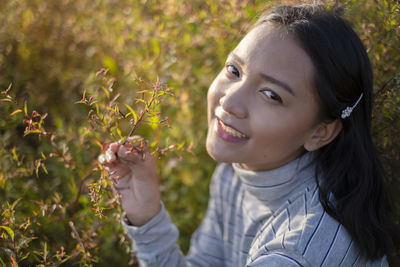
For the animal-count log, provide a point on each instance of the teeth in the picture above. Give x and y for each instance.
(231, 131)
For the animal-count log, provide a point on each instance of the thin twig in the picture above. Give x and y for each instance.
(384, 85)
(143, 113)
(71, 224)
(84, 178)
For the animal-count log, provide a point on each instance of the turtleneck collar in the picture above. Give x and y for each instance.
(271, 185)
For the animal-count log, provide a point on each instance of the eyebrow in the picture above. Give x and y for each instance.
(277, 82)
(237, 58)
(265, 76)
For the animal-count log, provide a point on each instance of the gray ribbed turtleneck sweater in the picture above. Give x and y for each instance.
(270, 218)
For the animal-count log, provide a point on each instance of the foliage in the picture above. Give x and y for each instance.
(57, 112)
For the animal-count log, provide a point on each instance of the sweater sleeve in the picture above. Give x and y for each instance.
(155, 242)
(277, 260)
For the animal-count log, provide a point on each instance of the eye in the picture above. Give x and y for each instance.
(271, 95)
(233, 70)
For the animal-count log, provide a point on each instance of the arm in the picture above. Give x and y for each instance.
(150, 227)
(154, 242)
(277, 260)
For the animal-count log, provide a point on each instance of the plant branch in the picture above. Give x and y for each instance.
(75, 203)
(143, 113)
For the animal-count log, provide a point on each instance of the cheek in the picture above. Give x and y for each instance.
(213, 96)
(280, 132)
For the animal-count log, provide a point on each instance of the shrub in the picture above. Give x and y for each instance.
(57, 112)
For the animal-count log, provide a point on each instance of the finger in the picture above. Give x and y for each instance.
(135, 143)
(119, 181)
(121, 184)
(126, 154)
(105, 164)
(119, 192)
(118, 171)
(113, 148)
(110, 157)
(120, 187)
(101, 159)
(131, 139)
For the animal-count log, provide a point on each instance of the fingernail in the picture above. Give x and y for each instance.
(101, 159)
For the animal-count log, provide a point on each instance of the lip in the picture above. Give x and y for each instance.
(227, 136)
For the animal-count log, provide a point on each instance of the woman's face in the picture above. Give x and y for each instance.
(261, 106)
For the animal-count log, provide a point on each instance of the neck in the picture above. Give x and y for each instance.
(270, 185)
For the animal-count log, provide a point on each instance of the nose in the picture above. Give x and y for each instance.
(234, 102)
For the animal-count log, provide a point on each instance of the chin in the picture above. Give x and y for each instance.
(211, 150)
(217, 154)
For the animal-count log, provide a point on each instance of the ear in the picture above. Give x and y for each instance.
(323, 134)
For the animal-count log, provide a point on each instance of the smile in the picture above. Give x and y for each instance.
(228, 133)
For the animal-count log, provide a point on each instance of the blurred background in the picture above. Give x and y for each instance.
(50, 52)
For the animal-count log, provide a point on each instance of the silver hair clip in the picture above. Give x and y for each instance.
(347, 111)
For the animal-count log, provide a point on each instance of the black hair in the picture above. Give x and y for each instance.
(350, 168)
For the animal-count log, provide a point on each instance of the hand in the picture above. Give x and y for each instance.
(132, 169)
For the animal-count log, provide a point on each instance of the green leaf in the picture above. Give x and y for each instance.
(44, 168)
(106, 91)
(119, 133)
(15, 203)
(14, 153)
(25, 109)
(2, 263)
(140, 100)
(31, 132)
(45, 252)
(8, 89)
(132, 111)
(9, 231)
(97, 110)
(25, 256)
(64, 260)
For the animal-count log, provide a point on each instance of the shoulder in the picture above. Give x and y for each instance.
(303, 233)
